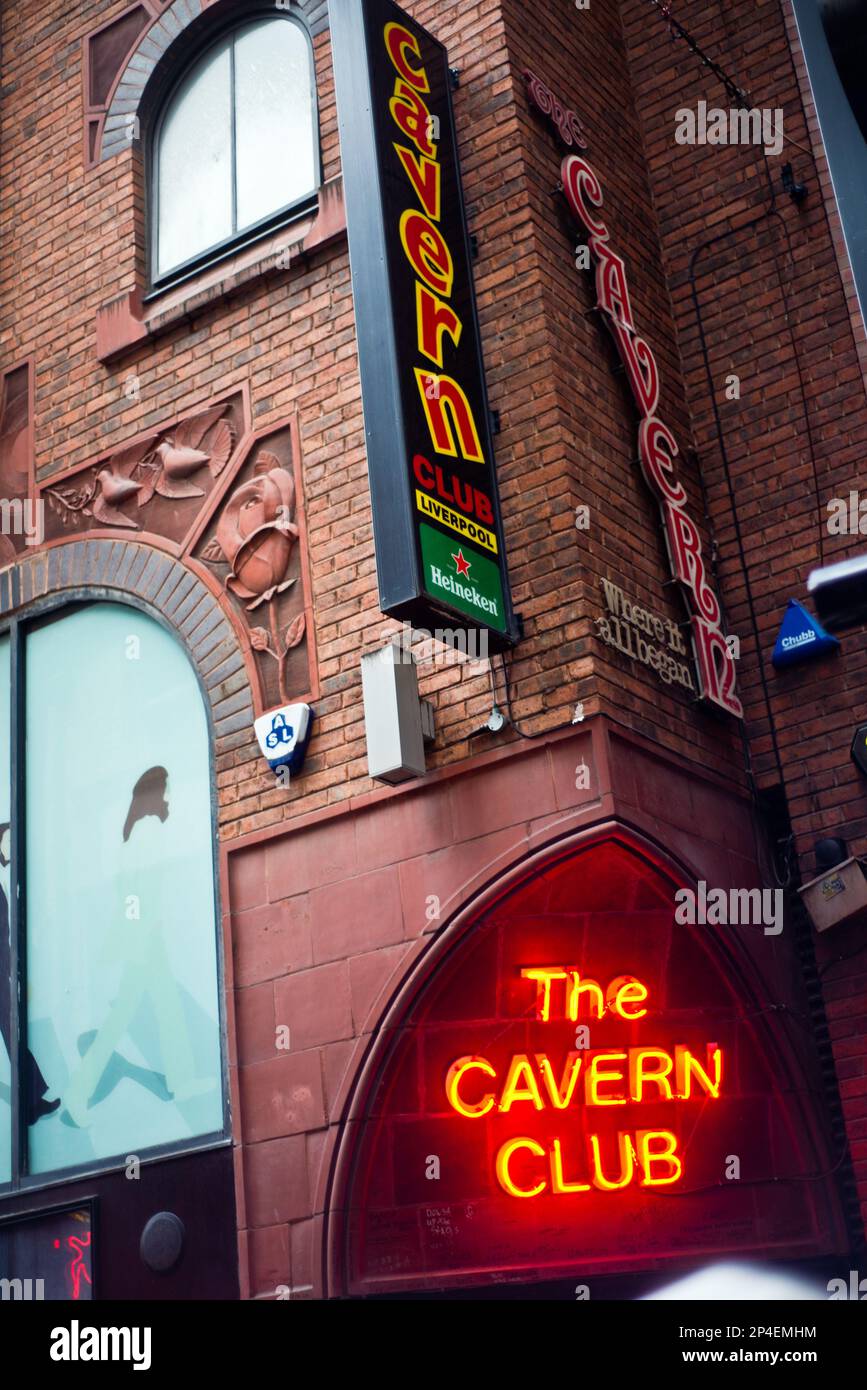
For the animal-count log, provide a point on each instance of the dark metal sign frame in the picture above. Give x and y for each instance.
(438, 533)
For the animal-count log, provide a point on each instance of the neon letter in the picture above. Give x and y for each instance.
(560, 1095)
(685, 1064)
(456, 1072)
(578, 180)
(641, 1070)
(578, 988)
(558, 1182)
(667, 1153)
(595, 1076)
(626, 990)
(626, 1163)
(520, 1068)
(544, 975)
(641, 369)
(503, 1175)
(687, 562)
(656, 463)
(612, 289)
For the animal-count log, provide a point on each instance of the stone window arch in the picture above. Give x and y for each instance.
(142, 576)
(92, 622)
(130, 62)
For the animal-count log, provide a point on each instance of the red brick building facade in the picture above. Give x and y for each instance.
(343, 903)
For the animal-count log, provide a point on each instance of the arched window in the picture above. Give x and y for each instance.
(236, 145)
(114, 1047)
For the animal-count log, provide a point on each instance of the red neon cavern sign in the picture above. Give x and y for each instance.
(596, 1080)
(657, 447)
(566, 1091)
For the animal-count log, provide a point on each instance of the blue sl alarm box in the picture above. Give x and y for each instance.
(283, 736)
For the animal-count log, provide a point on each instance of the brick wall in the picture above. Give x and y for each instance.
(775, 313)
(72, 239)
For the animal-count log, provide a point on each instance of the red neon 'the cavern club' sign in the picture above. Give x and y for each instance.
(614, 1077)
(573, 1083)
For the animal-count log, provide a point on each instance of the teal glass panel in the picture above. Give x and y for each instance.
(123, 1017)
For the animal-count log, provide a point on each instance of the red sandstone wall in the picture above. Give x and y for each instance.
(327, 922)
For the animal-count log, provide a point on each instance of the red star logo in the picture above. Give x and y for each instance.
(461, 565)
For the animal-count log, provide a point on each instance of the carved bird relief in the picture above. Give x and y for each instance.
(181, 455)
(156, 464)
(111, 493)
(115, 484)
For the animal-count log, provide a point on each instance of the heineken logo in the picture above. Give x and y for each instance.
(465, 591)
(462, 578)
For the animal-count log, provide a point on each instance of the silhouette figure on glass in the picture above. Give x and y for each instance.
(36, 1087)
(138, 943)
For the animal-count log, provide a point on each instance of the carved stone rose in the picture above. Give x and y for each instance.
(256, 535)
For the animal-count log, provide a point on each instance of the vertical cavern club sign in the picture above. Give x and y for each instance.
(657, 448)
(436, 516)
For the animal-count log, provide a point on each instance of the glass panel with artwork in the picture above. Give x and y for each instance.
(121, 963)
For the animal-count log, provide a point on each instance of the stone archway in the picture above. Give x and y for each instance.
(418, 1197)
(125, 79)
(133, 572)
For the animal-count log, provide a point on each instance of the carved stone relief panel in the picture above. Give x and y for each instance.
(159, 483)
(255, 547)
(229, 503)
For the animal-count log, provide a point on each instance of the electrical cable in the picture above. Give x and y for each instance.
(542, 733)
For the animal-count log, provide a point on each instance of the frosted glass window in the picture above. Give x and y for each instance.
(5, 925)
(195, 162)
(122, 985)
(274, 119)
(237, 142)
